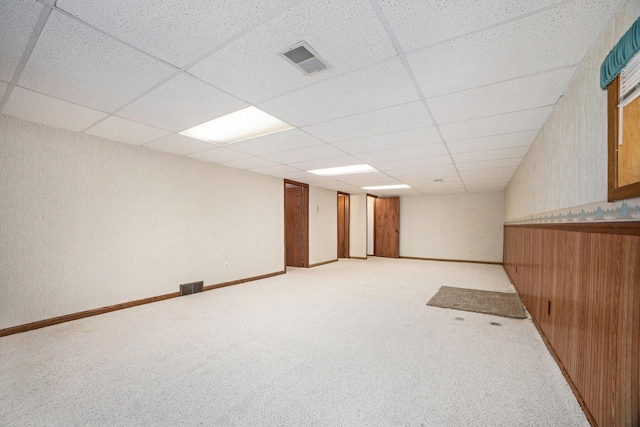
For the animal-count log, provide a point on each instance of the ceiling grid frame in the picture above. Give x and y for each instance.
(403, 58)
(49, 6)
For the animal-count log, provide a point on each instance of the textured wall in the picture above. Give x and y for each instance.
(86, 223)
(452, 226)
(567, 164)
(323, 225)
(358, 226)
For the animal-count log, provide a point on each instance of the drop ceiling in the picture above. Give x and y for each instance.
(422, 90)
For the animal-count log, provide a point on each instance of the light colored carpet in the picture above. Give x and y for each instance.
(350, 343)
(504, 304)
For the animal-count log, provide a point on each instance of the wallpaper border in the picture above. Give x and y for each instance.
(627, 210)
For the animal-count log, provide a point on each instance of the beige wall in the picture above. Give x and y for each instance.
(567, 164)
(323, 225)
(370, 224)
(466, 226)
(358, 226)
(86, 222)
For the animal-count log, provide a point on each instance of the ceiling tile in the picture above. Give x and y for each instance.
(418, 180)
(17, 21)
(502, 153)
(304, 154)
(380, 86)
(505, 170)
(219, 155)
(78, 64)
(250, 163)
(413, 163)
(427, 175)
(181, 103)
(395, 140)
(178, 144)
(377, 122)
(417, 151)
(514, 95)
(275, 170)
(418, 23)
(488, 179)
(348, 35)
(276, 142)
(332, 162)
(152, 26)
(496, 125)
(489, 164)
(360, 179)
(554, 38)
(421, 170)
(517, 139)
(372, 182)
(123, 130)
(3, 88)
(35, 107)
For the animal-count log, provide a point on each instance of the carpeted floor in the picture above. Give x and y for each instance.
(350, 343)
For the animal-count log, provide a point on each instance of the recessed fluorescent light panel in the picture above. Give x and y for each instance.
(344, 170)
(387, 187)
(247, 123)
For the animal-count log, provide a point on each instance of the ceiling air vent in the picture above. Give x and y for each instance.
(305, 58)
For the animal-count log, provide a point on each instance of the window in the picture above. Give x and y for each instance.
(624, 132)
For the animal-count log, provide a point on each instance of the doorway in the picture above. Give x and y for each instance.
(371, 200)
(387, 227)
(343, 225)
(296, 224)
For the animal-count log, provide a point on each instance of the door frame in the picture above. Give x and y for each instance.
(305, 208)
(347, 224)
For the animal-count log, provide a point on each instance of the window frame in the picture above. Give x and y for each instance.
(614, 191)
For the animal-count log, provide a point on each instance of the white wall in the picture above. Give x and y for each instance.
(323, 225)
(86, 222)
(452, 226)
(567, 164)
(358, 226)
(370, 228)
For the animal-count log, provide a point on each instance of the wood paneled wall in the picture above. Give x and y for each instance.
(581, 284)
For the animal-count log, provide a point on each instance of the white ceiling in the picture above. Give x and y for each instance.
(422, 90)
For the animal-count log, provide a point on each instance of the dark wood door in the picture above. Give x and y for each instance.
(294, 226)
(386, 227)
(343, 225)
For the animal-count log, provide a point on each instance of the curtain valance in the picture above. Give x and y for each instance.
(615, 61)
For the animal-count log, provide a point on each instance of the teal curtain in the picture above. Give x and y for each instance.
(615, 61)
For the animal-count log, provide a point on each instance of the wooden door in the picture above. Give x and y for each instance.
(343, 225)
(387, 227)
(294, 226)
